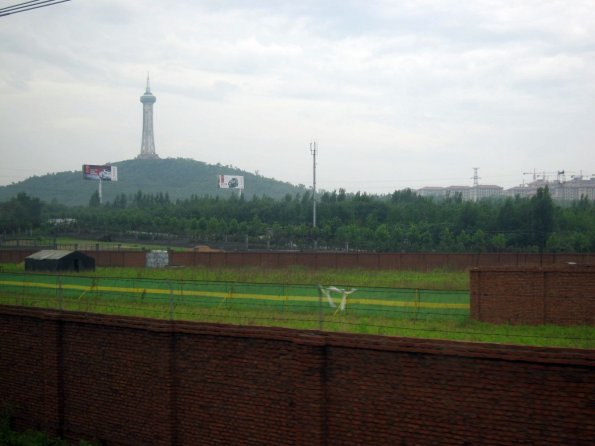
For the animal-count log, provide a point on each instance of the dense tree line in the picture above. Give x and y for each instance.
(402, 221)
(21, 213)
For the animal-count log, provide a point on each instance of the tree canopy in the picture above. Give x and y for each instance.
(402, 221)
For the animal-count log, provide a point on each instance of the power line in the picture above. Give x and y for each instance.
(28, 6)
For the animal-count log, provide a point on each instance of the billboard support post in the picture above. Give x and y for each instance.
(100, 174)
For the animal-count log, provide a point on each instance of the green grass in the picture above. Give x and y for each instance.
(461, 328)
(435, 280)
(124, 291)
(90, 244)
(10, 437)
(288, 298)
(354, 277)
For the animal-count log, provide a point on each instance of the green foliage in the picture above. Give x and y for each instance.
(94, 201)
(180, 178)
(20, 213)
(400, 222)
(542, 217)
(10, 437)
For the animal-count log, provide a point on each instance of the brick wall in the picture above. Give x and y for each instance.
(559, 294)
(130, 381)
(400, 261)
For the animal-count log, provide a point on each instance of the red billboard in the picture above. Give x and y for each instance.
(100, 173)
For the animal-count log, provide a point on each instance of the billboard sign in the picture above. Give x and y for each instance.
(231, 182)
(102, 173)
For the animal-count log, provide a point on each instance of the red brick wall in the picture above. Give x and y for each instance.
(135, 259)
(563, 295)
(129, 381)
(14, 256)
(402, 261)
(405, 261)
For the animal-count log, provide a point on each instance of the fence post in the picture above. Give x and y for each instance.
(416, 304)
(320, 315)
(22, 295)
(544, 295)
(171, 302)
(60, 296)
(94, 293)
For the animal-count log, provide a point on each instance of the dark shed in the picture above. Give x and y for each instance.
(59, 260)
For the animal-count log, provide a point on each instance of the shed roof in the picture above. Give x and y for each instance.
(50, 254)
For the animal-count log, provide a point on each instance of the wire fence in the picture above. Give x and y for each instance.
(191, 300)
(388, 311)
(34, 244)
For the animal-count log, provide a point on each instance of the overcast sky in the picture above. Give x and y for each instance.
(402, 93)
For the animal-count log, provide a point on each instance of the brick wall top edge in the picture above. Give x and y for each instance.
(561, 267)
(333, 253)
(585, 357)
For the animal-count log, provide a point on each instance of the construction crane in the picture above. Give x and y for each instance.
(560, 175)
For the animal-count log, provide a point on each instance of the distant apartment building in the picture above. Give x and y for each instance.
(452, 191)
(430, 191)
(485, 191)
(573, 189)
(522, 191)
(467, 193)
(570, 190)
(526, 190)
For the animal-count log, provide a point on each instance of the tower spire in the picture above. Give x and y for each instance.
(147, 149)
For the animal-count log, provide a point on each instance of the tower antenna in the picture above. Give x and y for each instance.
(147, 148)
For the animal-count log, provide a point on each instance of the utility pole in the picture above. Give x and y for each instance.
(313, 152)
(475, 183)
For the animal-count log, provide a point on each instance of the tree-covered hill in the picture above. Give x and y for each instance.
(179, 178)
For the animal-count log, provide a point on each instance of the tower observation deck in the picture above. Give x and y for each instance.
(147, 149)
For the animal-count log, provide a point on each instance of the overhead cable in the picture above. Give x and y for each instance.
(28, 6)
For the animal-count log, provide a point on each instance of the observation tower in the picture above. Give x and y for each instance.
(147, 148)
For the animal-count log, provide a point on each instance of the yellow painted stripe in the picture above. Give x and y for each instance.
(225, 295)
(400, 303)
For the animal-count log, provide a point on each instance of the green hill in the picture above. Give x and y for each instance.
(178, 177)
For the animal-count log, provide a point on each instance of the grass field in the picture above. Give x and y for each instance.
(10, 437)
(435, 280)
(388, 303)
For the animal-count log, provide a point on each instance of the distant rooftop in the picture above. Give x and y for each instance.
(50, 254)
